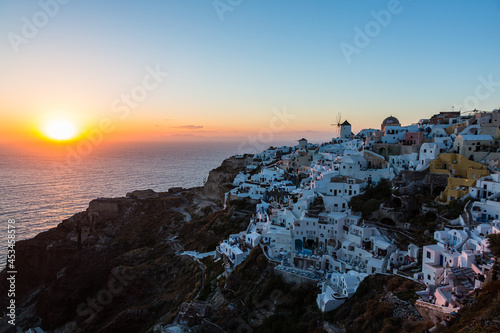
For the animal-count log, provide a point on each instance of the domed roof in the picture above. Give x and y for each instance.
(390, 121)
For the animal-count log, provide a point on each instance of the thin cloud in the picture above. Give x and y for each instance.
(189, 127)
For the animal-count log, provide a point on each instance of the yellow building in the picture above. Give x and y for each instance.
(455, 128)
(462, 174)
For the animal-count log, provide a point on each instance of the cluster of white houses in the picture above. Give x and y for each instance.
(304, 224)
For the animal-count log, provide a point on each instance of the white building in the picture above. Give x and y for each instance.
(337, 289)
(367, 132)
(278, 240)
(487, 190)
(252, 239)
(345, 188)
(404, 162)
(345, 130)
(352, 147)
(394, 134)
(445, 253)
(302, 143)
(232, 251)
(444, 143)
(268, 176)
(468, 144)
(335, 204)
(428, 152)
(355, 166)
(486, 210)
(486, 187)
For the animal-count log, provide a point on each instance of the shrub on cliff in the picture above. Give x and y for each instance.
(494, 244)
(366, 311)
(372, 198)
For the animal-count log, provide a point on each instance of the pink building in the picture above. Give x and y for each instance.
(413, 138)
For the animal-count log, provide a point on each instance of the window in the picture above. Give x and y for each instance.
(428, 254)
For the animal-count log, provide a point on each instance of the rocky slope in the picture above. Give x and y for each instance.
(117, 267)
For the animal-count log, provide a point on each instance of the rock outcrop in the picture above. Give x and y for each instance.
(121, 263)
(143, 194)
(220, 180)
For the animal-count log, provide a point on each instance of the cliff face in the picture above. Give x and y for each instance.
(382, 303)
(220, 180)
(117, 266)
(113, 258)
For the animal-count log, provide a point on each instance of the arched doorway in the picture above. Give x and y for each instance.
(310, 244)
(298, 245)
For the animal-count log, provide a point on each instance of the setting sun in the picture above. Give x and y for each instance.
(60, 130)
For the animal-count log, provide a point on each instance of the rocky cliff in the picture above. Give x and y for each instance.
(220, 180)
(119, 267)
(116, 254)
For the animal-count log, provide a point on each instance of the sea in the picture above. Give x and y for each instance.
(39, 189)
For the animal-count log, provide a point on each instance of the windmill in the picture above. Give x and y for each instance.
(338, 124)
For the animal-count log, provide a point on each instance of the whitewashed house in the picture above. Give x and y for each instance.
(337, 289)
(252, 239)
(394, 134)
(444, 143)
(485, 187)
(404, 162)
(344, 188)
(469, 144)
(428, 153)
(486, 210)
(232, 251)
(445, 253)
(277, 240)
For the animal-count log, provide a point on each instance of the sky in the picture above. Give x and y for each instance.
(252, 69)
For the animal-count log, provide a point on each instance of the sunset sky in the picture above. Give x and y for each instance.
(225, 69)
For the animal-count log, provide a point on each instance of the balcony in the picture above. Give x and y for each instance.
(323, 218)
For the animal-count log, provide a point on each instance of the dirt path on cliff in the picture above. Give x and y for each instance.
(182, 210)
